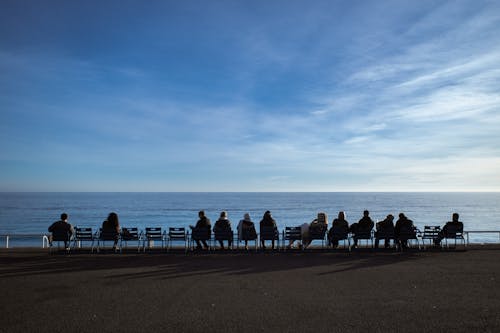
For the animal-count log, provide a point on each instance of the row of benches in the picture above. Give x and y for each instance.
(145, 239)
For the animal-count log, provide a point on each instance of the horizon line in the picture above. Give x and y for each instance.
(346, 191)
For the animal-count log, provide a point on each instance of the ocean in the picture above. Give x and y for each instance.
(32, 213)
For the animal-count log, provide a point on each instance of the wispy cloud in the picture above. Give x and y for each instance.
(298, 98)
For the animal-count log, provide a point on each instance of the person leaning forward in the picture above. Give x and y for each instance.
(202, 224)
(385, 229)
(403, 224)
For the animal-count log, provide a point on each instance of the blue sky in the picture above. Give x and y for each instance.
(249, 95)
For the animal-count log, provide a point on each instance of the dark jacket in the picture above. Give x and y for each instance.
(386, 225)
(222, 225)
(61, 226)
(268, 221)
(403, 224)
(366, 223)
(340, 224)
(204, 223)
(455, 224)
(338, 227)
(111, 227)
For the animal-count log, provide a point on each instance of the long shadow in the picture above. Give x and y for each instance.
(178, 265)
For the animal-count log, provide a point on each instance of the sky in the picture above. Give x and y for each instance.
(249, 95)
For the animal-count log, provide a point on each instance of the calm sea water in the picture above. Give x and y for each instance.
(32, 213)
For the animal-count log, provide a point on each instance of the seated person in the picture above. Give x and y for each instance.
(340, 226)
(111, 226)
(454, 224)
(62, 227)
(364, 225)
(268, 222)
(246, 230)
(403, 224)
(385, 228)
(202, 224)
(223, 225)
(317, 227)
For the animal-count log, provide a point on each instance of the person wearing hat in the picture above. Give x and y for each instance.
(246, 230)
(223, 225)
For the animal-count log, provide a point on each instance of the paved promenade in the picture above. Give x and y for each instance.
(256, 292)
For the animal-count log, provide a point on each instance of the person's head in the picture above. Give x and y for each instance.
(246, 217)
(454, 217)
(223, 215)
(267, 214)
(390, 217)
(366, 213)
(201, 213)
(113, 217)
(402, 216)
(64, 217)
(342, 216)
(322, 217)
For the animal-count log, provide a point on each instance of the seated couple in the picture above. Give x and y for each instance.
(340, 229)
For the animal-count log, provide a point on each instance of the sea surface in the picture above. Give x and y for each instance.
(32, 213)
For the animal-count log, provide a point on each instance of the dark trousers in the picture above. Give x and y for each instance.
(387, 242)
(222, 244)
(199, 242)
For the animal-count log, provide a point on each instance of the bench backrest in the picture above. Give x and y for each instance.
(385, 233)
(453, 231)
(339, 232)
(407, 232)
(317, 232)
(107, 234)
(431, 231)
(61, 236)
(269, 233)
(292, 233)
(177, 233)
(130, 234)
(84, 234)
(201, 233)
(248, 234)
(362, 234)
(153, 233)
(223, 234)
